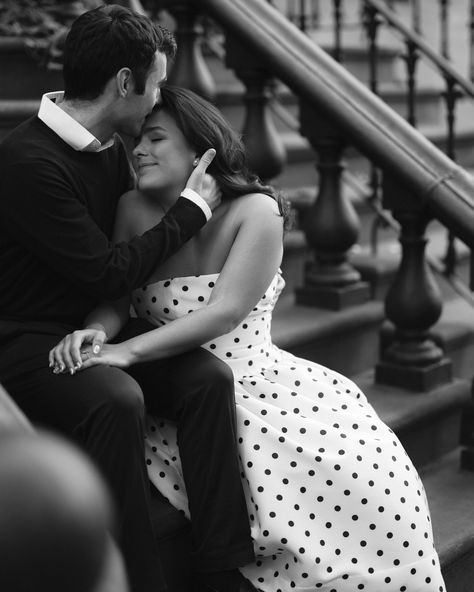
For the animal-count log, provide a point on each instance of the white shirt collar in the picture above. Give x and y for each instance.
(66, 127)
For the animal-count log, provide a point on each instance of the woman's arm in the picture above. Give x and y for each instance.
(106, 320)
(250, 266)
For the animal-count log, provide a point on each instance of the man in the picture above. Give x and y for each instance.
(61, 174)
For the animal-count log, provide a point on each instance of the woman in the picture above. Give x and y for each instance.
(334, 502)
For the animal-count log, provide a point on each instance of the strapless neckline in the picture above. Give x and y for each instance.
(181, 277)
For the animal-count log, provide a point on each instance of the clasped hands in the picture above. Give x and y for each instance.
(85, 348)
(78, 350)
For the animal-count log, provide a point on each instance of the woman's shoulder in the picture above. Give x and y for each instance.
(256, 209)
(132, 203)
(132, 218)
(256, 204)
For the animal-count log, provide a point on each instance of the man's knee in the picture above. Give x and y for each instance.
(211, 383)
(208, 371)
(121, 394)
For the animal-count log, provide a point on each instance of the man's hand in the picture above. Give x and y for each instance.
(68, 354)
(203, 183)
(211, 192)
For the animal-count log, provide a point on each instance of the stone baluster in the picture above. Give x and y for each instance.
(331, 225)
(467, 434)
(411, 359)
(264, 147)
(189, 69)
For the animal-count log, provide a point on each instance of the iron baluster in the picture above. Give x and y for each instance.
(371, 21)
(471, 41)
(337, 30)
(291, 11)
(416, 16)
(451, 95)
(315, 14)
(444, 28)
(411, 60)
(302, 17)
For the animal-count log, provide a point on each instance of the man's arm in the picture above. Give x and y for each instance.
(41, 211)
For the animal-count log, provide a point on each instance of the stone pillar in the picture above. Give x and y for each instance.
(412, 359)
(331, 225)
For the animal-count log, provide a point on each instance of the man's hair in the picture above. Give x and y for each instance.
(106, 39)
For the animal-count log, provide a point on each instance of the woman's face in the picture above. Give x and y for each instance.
(163, 159)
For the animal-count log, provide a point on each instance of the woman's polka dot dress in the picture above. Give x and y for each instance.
(334, 502)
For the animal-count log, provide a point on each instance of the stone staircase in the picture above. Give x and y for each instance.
(350, 340)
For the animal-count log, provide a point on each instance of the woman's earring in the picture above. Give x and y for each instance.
(195, 161)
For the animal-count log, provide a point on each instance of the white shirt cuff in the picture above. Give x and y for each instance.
(198, 200)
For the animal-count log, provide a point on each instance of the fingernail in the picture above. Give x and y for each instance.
(78, 365)
(71, 371)
(62, 367)
(96, 349)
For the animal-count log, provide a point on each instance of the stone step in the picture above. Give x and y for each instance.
(346, 340)
(450, 493)
(350, 340)
(427, 423)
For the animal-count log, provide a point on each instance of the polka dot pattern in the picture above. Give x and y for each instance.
(334, 502)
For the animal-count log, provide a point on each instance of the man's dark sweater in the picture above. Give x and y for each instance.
(57, 208)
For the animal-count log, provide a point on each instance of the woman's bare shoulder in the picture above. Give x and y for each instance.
(256, 202)
(255, 206)
(128, 221)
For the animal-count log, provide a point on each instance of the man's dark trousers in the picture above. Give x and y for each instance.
(103, 409)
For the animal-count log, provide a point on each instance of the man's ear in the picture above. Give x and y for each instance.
(124, 81)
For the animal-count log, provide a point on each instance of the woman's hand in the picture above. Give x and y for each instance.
(117, 355)
(69, 354)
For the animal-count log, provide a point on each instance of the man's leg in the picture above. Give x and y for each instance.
(196, 390)
(101, 409)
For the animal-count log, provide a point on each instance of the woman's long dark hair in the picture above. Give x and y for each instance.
(204, 127)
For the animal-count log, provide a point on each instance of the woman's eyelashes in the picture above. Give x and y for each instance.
(156, 137)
